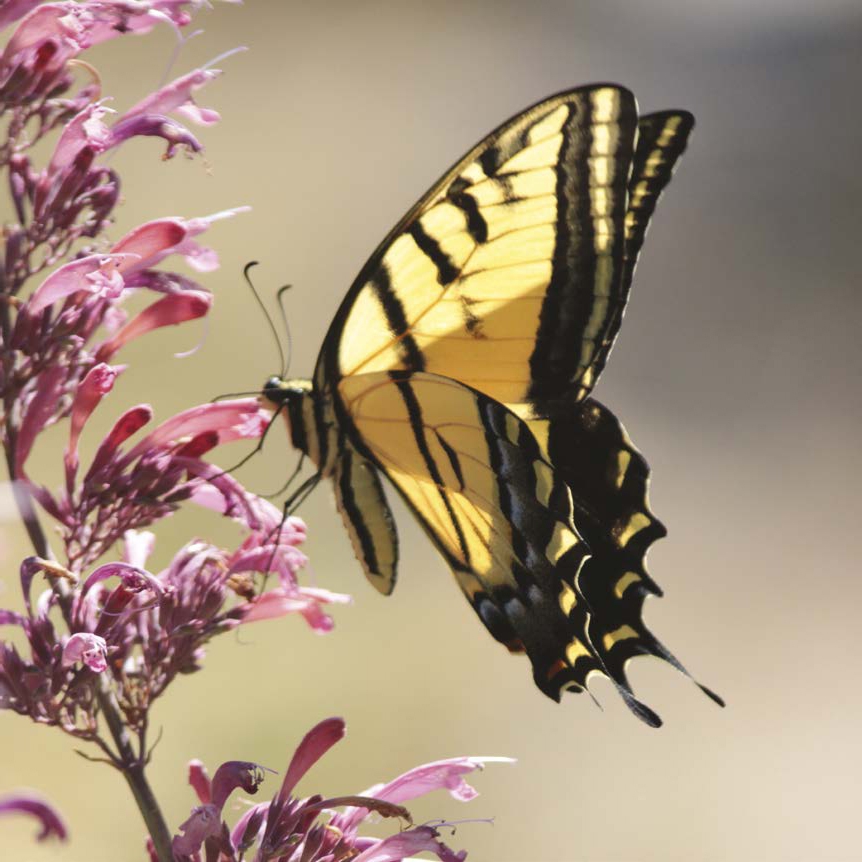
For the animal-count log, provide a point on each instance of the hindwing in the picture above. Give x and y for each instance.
(475, 477)
(360, 500)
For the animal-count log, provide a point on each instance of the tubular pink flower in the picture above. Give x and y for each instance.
(98, 382)
(233, 774)
(34, 806)
(12, 10)
(238, 419)
(88, 648)
(314, 745)
(205, 822)
(85, 130)
(154, 126)
(177, 96)
(50, 21)
(39, 411)
(133, 579)
(256, 558)
(200, 781)
(280, 602)
(77, 26)
(258, 515)
(170, 310)
(150, 242)
(95, 274)
(438, 775)
(128, 424)
(420, 839)
(153, 241)
(137, 547)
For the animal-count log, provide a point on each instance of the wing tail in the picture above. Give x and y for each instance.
(609, 481)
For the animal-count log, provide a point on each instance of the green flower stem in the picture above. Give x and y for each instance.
(128, 762)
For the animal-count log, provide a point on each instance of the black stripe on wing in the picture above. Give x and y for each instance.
(360, 500)
(408, 350)
(587, 265)
(414, 411)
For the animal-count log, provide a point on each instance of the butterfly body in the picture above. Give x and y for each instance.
(460, 366)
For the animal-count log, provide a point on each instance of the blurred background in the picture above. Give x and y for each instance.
(736, 372)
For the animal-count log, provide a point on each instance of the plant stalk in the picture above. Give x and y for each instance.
(129, 763)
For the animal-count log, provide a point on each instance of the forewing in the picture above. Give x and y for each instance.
(662, 139)
(508, 273)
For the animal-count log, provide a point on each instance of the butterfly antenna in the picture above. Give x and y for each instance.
(280, 296)
(234, 395)
(248, 281)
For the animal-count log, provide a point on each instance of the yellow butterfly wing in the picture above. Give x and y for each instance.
(476, 329)
(478, 483)
(507, 274)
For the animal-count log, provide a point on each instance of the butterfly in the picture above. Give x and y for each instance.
(460, 366)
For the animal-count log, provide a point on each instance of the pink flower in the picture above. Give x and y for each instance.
(294, 599)
(177, 97)
(49, 819)
(87, 648)
(421, 839)
(204, 822)
(95, 274)
(12, 10)
(98, 382)
(309, 829)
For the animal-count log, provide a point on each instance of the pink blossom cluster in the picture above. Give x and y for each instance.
(58, 362)
(317, 829)
(101, 633)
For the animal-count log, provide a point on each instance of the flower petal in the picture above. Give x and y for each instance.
(238, 419)
(418, 840)
(200, 781)
(177, 96)
(314, 745)
(439, 775)
(233, 774)
(128, 424)
(279, 603)
(150, 242)
(28, 803)
(84, 130)
(39, 411)
(12, 10)
(204, 822)
(88, 648)
(97, 273)
(170, 310)
(97, 383)
(157, 126)
(137, 547)
(134, 579)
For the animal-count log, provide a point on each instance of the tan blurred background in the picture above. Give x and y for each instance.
(737, 373)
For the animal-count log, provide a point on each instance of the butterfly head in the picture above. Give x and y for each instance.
(294, 399)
